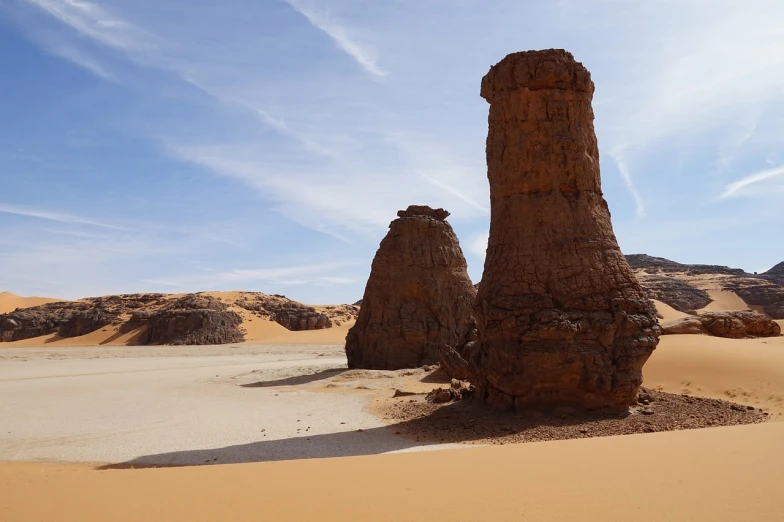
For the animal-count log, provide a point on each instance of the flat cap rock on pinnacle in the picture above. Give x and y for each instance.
(418, 295)
(561, 319)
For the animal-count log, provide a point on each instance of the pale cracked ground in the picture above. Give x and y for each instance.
(167, 406)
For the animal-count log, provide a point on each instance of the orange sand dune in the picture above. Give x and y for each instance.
(749, 371)
(721, 474)
(725, 300)
(10, 302)
(667, 312)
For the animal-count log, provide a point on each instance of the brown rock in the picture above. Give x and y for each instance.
(193, 319)
(418, 296)
(735, 324)
(561, 318)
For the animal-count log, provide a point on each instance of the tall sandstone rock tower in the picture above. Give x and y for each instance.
(418, 296)
(562, 321)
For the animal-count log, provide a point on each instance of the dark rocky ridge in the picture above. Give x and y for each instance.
(648, 263)
(193, 319)
(72, 318)
(668, 282)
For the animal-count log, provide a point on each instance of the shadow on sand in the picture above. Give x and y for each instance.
(298, 379)
(454, 423)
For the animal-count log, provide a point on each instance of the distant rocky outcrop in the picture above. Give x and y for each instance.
(735, 324)
(193, 319)
(777, 272)
(418, 295)
(71, 318)
(291, 314)
(162, 319)
(675, 292)
(676, 284)
(561, 319)
(660, 264)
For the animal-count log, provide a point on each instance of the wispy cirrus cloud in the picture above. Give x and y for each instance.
(620, 163)
(285, 275)
(323, 21)
(733, 189)
(95, 22)
(54, 216)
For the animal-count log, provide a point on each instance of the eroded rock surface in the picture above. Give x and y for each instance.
(677, 293)
(562, 320)
(677, 284)
(193, 319)
(418, 295)
(736, 324)
(71, 318)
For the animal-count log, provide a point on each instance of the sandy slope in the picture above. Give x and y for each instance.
(749, 371)
(723, 474)
(725, 300)
(667, 312)
(10, 302)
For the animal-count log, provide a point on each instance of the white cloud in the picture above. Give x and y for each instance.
(286, 275)
(627, 180)
(54, 216)
(322, 21)
(733, 188)
(478, 244)
(93, 21)
(81, 59)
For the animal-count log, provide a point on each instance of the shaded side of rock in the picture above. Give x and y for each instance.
(418, 296)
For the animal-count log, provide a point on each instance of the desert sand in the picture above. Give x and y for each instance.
(723, 474)
(10, 302)
(255, 425)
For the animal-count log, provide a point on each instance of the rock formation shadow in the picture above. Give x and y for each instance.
(297, 379)
(344, 444)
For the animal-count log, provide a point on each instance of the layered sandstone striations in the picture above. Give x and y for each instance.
(418, 296)
(562, 320)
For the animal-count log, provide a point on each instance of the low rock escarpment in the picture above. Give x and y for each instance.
(163, 319)
(735, 324)
(682, 286)
(418, 295)
(677, 293)
(72, 318)
(193, 319)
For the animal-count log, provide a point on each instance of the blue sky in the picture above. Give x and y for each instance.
(160, 145)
